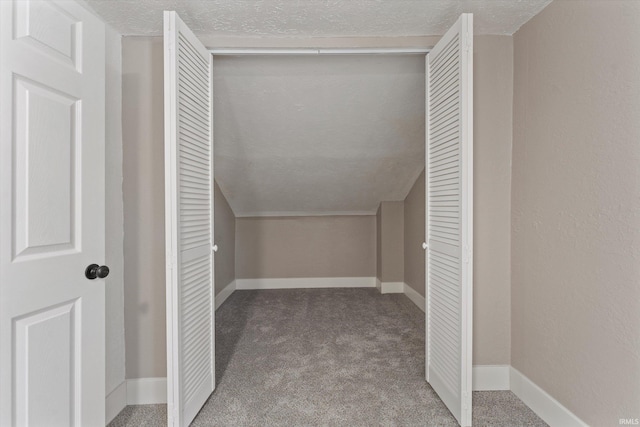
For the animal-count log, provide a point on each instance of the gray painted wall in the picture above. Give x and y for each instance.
(318, 246)
(493, 89)
(143, 187)
(390, 223)
(576, 224)
(492, 103)
(225, 237)
(114, 284)
(414, 236)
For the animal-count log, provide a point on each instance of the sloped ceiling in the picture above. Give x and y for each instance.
(319, 134)
(317, 18)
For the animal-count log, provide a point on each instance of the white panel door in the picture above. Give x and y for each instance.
(52, 92)
(449, 207)
(189, 221)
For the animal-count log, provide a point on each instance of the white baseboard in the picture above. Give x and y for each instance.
(542, 403)
(414, 296)
(306, 283)
(491, 377)
(391, 287)
(225, 293)
(146, 391)
(379, 285)
(142, 391)
(505, 377)
(115, 402)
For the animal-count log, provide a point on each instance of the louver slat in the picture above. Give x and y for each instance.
(189, 155)
(449, 213)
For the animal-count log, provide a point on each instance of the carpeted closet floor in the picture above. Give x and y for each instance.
(326, 357)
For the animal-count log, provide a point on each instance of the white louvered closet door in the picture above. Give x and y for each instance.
(189, 221)
(449, 226)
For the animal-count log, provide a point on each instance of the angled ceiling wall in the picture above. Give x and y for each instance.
(317, 135)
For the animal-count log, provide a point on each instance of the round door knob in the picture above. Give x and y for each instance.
(96, 271)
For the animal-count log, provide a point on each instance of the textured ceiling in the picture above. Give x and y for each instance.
(317, 135)
(317, 18)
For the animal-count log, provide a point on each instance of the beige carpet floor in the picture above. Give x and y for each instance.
(326, 357)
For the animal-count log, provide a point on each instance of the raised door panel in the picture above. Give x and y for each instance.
(48, 353)
(52, 126)
(50, 28)
(45, 135)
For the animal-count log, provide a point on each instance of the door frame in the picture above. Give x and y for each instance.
(467, 249)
